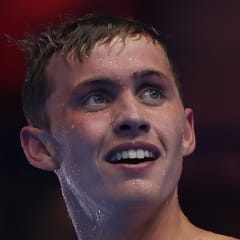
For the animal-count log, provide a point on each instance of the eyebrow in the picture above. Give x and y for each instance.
(148, 73)
(108, 81)
(95, 81)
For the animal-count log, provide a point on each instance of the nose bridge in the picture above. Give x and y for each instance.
(129, 117)
(128, 106)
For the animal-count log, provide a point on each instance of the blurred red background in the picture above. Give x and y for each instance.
(204, 39)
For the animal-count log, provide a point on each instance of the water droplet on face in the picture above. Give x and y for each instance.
(61, 105)
(130, 59)
(90, 213)
(94, 228)
(137, 182)
(163, 172)
(64, 132)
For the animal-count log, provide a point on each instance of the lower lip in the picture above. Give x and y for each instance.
(135, 167)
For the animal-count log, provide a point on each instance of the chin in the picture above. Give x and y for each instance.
(139, 192)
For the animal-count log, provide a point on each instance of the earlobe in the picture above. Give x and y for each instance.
(37, 148)
(189, 141)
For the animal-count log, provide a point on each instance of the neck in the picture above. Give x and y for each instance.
(165, 222)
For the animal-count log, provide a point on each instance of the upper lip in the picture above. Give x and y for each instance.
(132, 145)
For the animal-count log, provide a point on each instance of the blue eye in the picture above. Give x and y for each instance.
(95, 102)
(95, 99)
(152, 93)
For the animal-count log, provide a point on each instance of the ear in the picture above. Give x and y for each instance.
(38, 148)
(189, 141)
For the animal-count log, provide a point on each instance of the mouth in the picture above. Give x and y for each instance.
(133, 153)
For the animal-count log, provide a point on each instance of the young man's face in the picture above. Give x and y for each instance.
(119, 123)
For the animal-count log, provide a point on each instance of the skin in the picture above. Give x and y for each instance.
(122, 94)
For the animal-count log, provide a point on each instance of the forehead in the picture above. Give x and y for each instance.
(117, 59)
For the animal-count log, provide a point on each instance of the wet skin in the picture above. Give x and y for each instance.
(121, 95)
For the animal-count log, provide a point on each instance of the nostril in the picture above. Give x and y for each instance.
(125, 127)
(144, 127)
(133, 126)
(130, 126)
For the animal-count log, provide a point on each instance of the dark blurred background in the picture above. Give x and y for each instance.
(203, 36)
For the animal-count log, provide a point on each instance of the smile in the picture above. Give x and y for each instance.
(133, 153)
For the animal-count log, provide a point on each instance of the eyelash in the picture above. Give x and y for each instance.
(154, 88)
(108, 97)
(89, 103)
(146, 97)
(96, 94)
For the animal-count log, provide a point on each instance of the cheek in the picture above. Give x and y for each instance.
(174, 129)
(81, 138)
(83, 128)
(169, 130)
(169, 123)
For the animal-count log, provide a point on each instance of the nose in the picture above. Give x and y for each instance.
(131, 127)
(130, 120)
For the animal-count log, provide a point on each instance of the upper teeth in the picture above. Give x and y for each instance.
(132, 154)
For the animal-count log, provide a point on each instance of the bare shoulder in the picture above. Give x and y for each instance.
(195, 233)
(213, 236)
